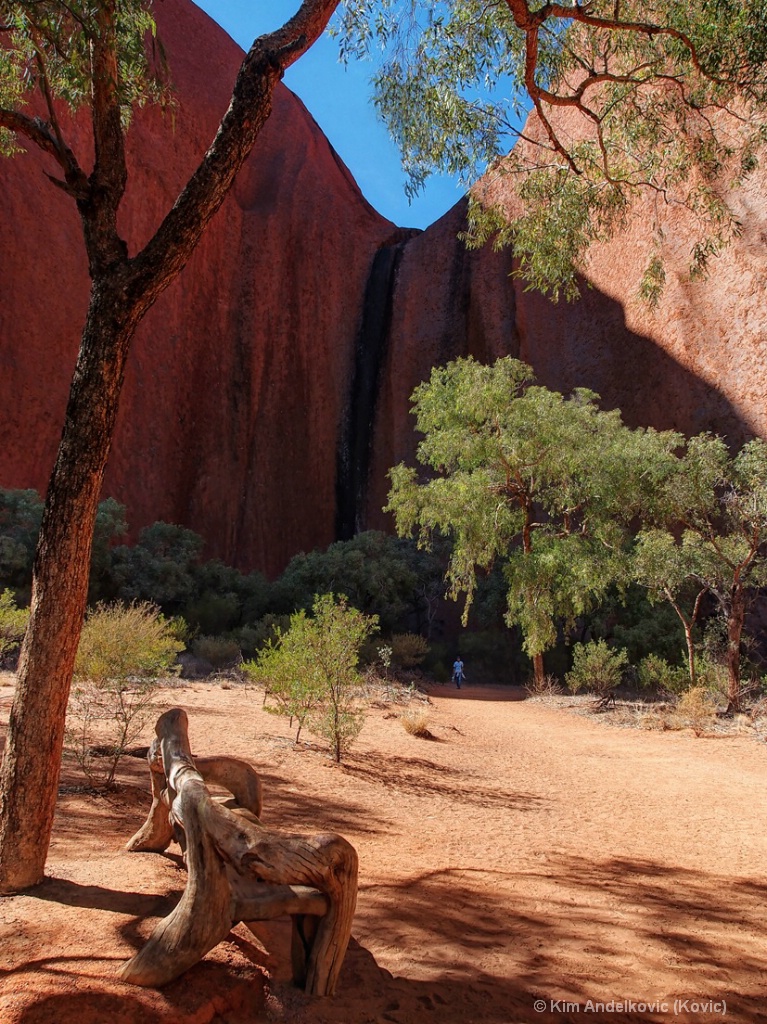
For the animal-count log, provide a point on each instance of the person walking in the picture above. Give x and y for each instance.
(458, 676)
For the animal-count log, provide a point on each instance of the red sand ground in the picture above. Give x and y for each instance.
(526, 853)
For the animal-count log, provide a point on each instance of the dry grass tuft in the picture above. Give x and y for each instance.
(549, 686)
(697, 709)
(416, 722)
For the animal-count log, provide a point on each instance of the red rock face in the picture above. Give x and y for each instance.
(698, 362)
(239, 376)
(269, 368)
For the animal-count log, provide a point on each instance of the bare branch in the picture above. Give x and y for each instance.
(54, 121)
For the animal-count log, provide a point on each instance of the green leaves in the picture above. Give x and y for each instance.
(545, 484)
(13, 622)
(439, 68)
(49, 50)
(125, 646)
(661, 98)
(310, 670)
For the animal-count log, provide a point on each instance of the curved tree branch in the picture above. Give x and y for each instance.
(42, 135)
(531, 22)
(153, 269)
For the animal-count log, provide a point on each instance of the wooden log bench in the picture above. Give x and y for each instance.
(237, 869)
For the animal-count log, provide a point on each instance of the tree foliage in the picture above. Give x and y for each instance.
(21, 513)
(378, 573)
(543, 483)
(669, 571)
(50, 51)
(659, 97)
(711, 532)
(310, 669)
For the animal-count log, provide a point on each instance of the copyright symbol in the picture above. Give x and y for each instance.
(539, 1005)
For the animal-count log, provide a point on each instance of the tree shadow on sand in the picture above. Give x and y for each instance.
(480, 945)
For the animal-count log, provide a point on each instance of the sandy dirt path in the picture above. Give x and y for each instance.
(524, 854)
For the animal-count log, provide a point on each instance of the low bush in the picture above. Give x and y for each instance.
(220, 651)
(13, 623)
(123, 652)
(547, 687)
(596, 667)
(655, 673)
(408, 650)
(697, 708)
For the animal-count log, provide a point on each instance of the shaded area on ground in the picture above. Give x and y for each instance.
(533, 854)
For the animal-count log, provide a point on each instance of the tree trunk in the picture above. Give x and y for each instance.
(690, 650)
(31, 765)
(121, 294)
(538, 671)
(735, 620)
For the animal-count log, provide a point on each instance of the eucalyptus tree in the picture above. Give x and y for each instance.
(714, 510)
(543, 483)
(669, 568)
(96, 56)
(631, 97)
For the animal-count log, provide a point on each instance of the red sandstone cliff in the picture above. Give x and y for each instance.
(268, 391)
(239, 376)
(698, 362)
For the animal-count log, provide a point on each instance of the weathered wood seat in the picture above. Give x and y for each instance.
(238, 870)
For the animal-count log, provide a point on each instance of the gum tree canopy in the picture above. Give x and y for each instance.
(631, 96)
(545, 485)
(667, 90)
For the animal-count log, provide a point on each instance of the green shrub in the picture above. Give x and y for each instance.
(310, 670)
(122, 653)
(160, 567)
(13, 623)
(220, 651)
(596, 667)
(408, 650)
(213, 614)
(266, 630)
(655, 673)
(21, 513)
(713, 676)
(379, 574)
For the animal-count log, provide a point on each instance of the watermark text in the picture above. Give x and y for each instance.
(672, 1007)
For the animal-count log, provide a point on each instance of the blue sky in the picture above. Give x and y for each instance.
(339, 99)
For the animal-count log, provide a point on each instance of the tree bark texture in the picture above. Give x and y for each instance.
(239, 871)
(122, 292)
(735, 621)
(31, 764)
